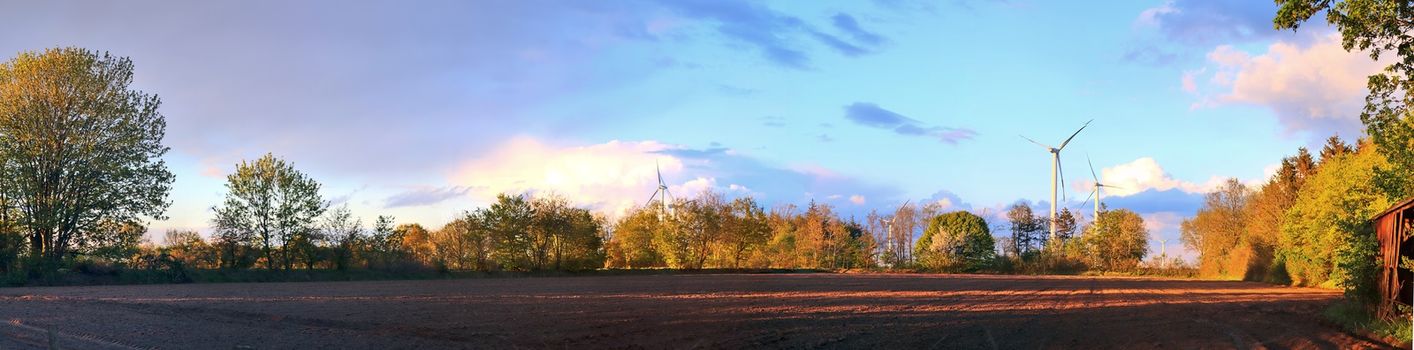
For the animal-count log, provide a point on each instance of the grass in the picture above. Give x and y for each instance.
(1356, 318)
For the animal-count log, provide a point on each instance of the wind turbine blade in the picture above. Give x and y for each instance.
(1062, 178)
(1037, 143)
(1092, 169)
(659, 169)
(1072, 136)
(1087, 199)
(650, 199)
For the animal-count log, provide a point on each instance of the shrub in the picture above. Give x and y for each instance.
(958, 240)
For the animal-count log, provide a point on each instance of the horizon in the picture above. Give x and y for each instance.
(421, 113)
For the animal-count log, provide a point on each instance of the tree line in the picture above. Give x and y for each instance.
(80, 155)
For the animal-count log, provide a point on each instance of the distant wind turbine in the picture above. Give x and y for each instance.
(1056, 172)
(1098, 186)
(661, 194)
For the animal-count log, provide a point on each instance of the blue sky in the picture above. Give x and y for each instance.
(424, 109)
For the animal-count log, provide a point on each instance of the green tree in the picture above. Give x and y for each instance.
(1376, 27)
(1117, 241)
(1026, 229)
(385, 243)
(1065, 224)
(11, 245)
(580, 245)
(79, 147)
(1265, 214)
(632, 245)
(746, 231)
(1326, 237)
(344, 234)
(690, 232)
(956, 240)
(509, 220)
(269, 203)
(113, 241)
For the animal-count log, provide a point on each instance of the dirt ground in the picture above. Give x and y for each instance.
(679, 311)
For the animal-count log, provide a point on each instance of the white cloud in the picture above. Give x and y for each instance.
(615, 176)
(1318, 87)
(1145, 174)
(612, 176)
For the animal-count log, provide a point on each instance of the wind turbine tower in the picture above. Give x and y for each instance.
(1056, 172)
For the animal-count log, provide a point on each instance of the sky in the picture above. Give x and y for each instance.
(424, 109)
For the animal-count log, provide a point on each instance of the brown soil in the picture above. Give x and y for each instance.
(680, 311)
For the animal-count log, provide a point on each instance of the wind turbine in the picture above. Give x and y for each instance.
(661, 193)
(1056, 172)
(1098, 186)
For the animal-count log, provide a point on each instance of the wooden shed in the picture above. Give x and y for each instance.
(1394, 228)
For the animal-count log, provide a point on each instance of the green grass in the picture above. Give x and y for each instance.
(1356, 318)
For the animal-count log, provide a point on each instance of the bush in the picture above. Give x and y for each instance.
(956, 241)
(1357, 318)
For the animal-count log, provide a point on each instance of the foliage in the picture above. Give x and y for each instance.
(632, 244)
(344, 233)
(270, 204)
(1028, 232)
(80, 149)
(111, 241)
(417, 241)
(11, 246)
(956, 240)
(1216, 232)
(1326, 237)
(191, 249)
(1356, 317)
(1377, 27)
(1117, 241)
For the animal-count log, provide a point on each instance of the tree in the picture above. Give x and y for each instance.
(746, 230)
(691, 230)
(956, 240)
(509, 220)
(1375, 26)
(418, 243)
(1065, 225)
(1334, 148)
(1265, 212)
(633, 241)
(270, 202)
(344, 234)
(466, 242)
(1218, 229)
(190, 249)
(579, 246)
(11, 245)
(113, 241)
(79, 148)
(1026, 229)
(1326, 237)
(385, 244)
(1117, 241)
